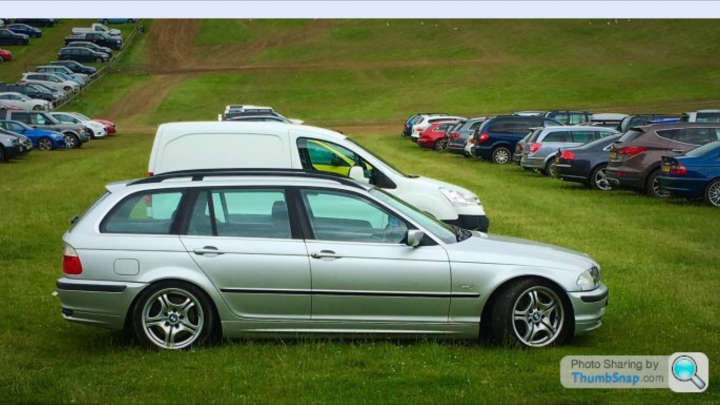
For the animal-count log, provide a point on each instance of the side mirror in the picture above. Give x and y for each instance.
(414, 237)
(357, 173)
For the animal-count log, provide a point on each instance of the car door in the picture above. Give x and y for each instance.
(242, 238)
(361, 268)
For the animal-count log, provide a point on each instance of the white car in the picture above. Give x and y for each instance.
(97, 27)
(50, 80)
(250, 145)
(20, 100)
(427, 120)
(710, 116)
(97, 130)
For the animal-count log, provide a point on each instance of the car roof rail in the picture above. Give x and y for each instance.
(200, 174)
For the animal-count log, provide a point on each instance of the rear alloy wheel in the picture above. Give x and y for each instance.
(550, 169)
(712, 193)
(501, 155)
(598, 179)
(652, 187)
(72, 141)
(173, 315)
(530, 313)
(68, 89)
(45, 144)
(440, 145)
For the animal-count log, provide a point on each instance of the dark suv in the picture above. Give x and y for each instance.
(496, 138)
(75, 67)
(99, 38)
(635, 158)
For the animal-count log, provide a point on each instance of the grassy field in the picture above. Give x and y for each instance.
(659, 257)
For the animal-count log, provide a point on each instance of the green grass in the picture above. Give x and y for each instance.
(659, 257)
(223, 32)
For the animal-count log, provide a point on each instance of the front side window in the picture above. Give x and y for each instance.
(345, 217)
(144, 213)
(328, 157)
(241, 213)
(39, 119)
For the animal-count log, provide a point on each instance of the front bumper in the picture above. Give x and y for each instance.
(471, 222)
(96, 303)
(589, 308)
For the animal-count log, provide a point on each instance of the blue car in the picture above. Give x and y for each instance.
(30, 31)
(695, 174)
(40, 138)
(496, 138)
(107, 21)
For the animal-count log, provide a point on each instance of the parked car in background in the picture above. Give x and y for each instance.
(496, 138)
(635, 158)
(608, 120)
(110, 126)
(530, 113)
(459, 135)
(639, 120)
(75, 67)
(37, 22)
(41, 139)
(258, 118)
(407, 130)
(94, 128)
(519, 148)
(90, 45)
(586, 164)
(75, 135)
(566, 117)
(695, 174)
(11, 146)
(98, 38)
(66, 77)
(8, 37)
(702, 117)
(361, 251)
(81, 54)
(232, 113)
(32, 91)
(54, 69)
(24, 102)
(97, 27)
(542, 146)
(44, 89)
(222, 145)
(25, 29)
(107, 21)
(5, 55)
(427, 120)
(51, 81)
(435, 137)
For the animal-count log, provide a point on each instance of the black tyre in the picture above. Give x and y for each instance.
(501, 155)
(440, 145)
(598, 180)
(98, 60)
(38, 108)
(531, 313)
(652, 187)
(45, 144)
(72, 141)
(712, 193)
(91, 133)
(549, 170)
(3, 155)
(174, 315)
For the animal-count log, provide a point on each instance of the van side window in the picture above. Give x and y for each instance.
(143, 213)
(328, 157)
(500, 125)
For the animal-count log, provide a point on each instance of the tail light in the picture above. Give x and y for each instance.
(567, 155)
(71, 261)
(678, 169)
(631, 151)
(483, 137)
(534, 147)
(407, 126)
(149, 174)
(455, 135)
(471, 141)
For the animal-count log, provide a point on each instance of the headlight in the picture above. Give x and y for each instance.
(589, 279)
(460, 198)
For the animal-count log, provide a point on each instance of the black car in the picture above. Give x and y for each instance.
(586, 164)
(99, 38)
(82, 55)
(37, 22)
(90, 45)
(75, 67)
(30, 90)
(8, 37)
(28, 30)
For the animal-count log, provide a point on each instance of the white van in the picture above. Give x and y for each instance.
(269, 145)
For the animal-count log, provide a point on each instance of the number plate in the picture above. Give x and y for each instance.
(666, 169)
(613, 155)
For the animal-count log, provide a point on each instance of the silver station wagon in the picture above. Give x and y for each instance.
(184, 258)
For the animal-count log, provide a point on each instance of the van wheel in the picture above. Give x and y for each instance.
(531, 313)
(68, 89)
(173, 315)
(106, 21)
(712, 193)
(38, 107)
(652, 187)
(501, 155)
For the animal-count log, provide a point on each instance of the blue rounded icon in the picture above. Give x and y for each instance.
(684, 368)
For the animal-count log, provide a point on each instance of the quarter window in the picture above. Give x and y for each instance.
(559, 136)
(144, 213)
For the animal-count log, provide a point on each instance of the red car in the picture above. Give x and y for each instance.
(109, 126)
(5, 55)
(434, 136)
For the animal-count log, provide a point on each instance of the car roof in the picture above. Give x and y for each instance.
(576, 128)
(231, 127)
(680, 125)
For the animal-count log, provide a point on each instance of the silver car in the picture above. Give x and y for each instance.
(185, 257)
(538, 151)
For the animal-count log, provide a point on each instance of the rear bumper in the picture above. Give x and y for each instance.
(472, 222)
(624, 179)
(566, 172)
(532, 163)
(96, 303)
(589, 308)
(682, 187)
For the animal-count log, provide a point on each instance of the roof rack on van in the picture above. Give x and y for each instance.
(200, 174)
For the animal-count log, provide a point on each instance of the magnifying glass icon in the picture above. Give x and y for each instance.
(684, 369)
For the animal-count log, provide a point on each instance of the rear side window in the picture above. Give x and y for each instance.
(149, 213)
(708, 118)
(630, 136)
(559, 136)
(475, 125)
(585, 136)
(534, 136)
(500, 125)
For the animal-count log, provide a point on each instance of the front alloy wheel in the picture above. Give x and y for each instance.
(71, 141)
(45, 144)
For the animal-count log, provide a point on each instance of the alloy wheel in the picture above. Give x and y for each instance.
(501, 156)
(713, 193)
(601, 181)
(45, 144)
(70, 142)
(440, 145)
(538, 316)
(656, 189)
(173, 318)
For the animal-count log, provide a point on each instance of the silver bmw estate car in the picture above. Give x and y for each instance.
(187, 257)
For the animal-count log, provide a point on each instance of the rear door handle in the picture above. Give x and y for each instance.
(324, 254)
(678, 151)
(208, 250)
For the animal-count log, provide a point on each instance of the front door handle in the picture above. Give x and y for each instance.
(678, 151)
(208, 250)
(323, 254)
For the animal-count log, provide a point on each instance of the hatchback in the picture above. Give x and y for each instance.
(5, 55)
(459, 135)
(586, 164)
(407, 130)
(282, 253)
(693, 175)
(635, 157)
(41, 139)
(435, 137)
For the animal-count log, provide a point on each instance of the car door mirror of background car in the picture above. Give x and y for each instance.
(358, 174)
(414, 237)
